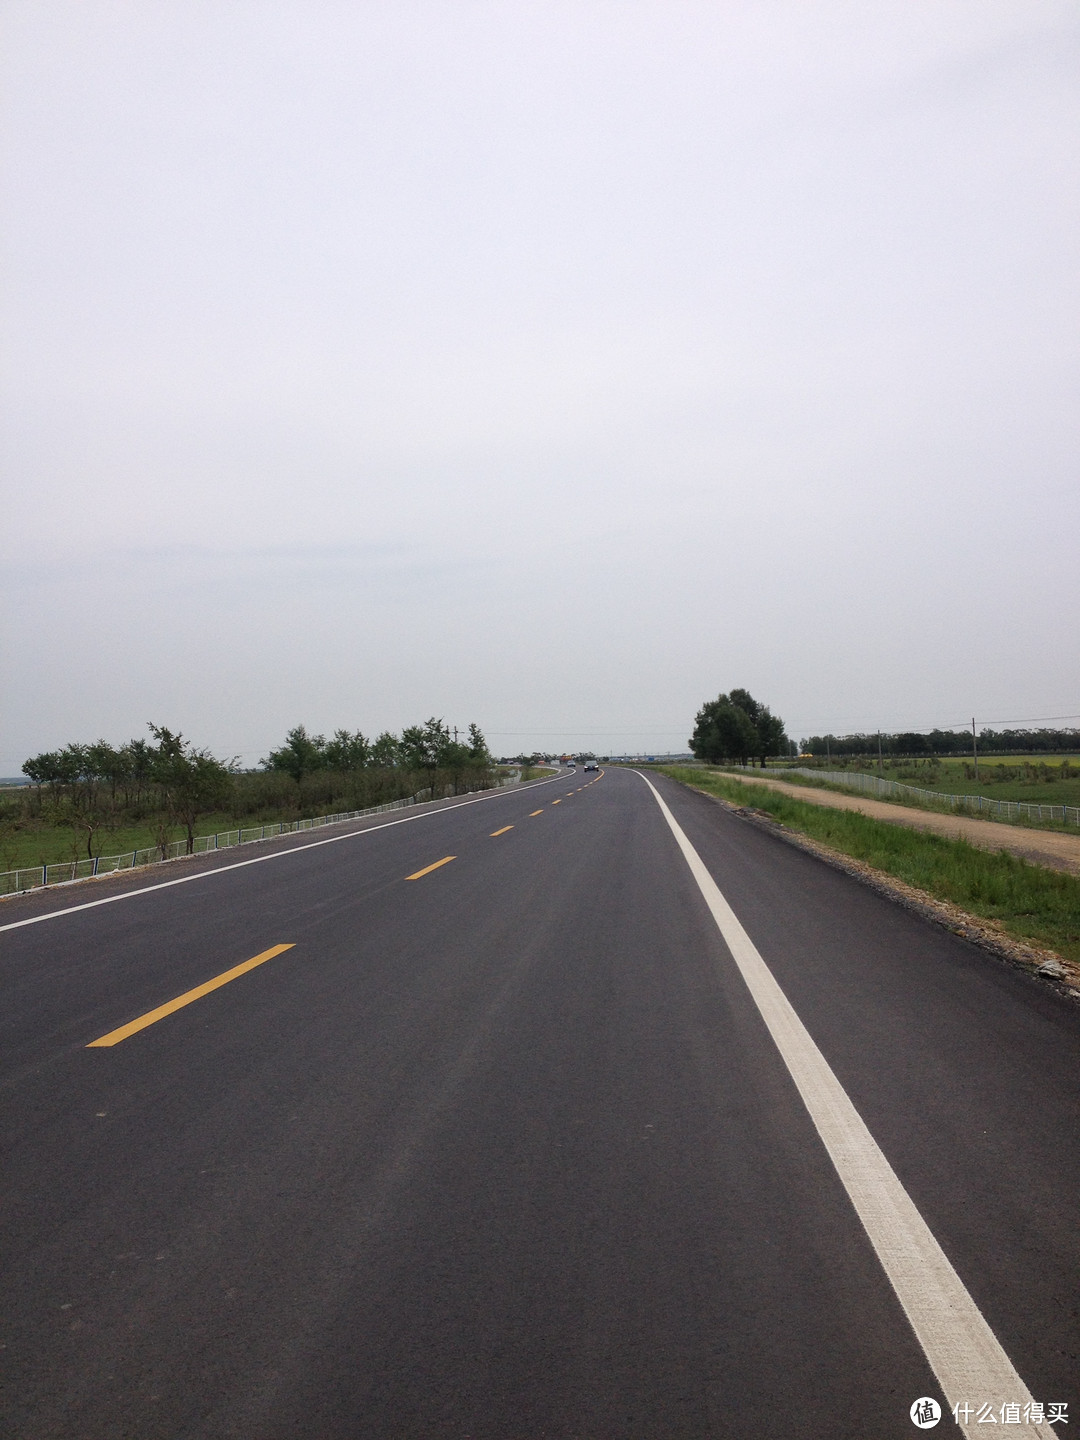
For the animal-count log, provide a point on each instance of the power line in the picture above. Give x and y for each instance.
(964, 724)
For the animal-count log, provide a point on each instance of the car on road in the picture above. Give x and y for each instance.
(591, 765)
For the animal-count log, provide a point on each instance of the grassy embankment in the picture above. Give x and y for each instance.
(1031, 779)
(33, 833)
(1027, 902)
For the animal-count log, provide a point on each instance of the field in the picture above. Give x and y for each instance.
(38, 830)
(1027, 902)
(1023, 777)
(45, 844)
(1030, 778)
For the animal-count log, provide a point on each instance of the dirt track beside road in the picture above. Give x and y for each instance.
(1043, 847)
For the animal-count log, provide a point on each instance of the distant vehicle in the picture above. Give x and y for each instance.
(591, 765)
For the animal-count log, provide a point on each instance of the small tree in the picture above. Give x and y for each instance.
(300, 754)
(386, 751)
(478, 747)
(346, 752)
(427, 747)
(192, 782)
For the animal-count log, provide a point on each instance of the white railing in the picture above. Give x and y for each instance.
(13, 882)
(63, 872)
(979, 804)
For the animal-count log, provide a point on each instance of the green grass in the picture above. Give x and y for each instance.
(1029, 903)
(44, 844)
(1029, 778)
(1035, 779)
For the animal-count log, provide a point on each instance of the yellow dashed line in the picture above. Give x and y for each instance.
(133, 1026)
(428, 868)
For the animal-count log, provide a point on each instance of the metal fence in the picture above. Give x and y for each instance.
(14, 882)
(977, 804)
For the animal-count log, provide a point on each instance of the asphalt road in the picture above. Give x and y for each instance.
(507, 1150)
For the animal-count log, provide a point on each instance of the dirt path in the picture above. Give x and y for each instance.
(1044, 847)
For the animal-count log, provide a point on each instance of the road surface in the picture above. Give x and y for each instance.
(510, 1149)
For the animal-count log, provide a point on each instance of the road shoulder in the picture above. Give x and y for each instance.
(1062, 974)
(1043, 847)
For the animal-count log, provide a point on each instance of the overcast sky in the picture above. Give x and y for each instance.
(553, 366)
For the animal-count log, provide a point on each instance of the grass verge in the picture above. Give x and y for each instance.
(927, 802)
(1026, 902)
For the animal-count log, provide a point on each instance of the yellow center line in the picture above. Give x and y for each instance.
(537, 812)
(502, 831)
(428, 868)
(556, 802)
(133, 1026)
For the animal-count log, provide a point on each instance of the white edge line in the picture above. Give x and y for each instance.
(963, 1351)
(261, 859)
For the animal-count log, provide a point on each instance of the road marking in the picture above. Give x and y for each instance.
(537, 812)
(262, 859)
(428, 868)
(502, 831)
(152, 1016)
(556, 802)
(963, 1351)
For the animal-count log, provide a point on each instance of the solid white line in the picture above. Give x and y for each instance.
(963, 1351)
(261, 859)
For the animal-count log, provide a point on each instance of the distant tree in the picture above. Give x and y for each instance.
(108, 764)
(478, 748)
(141, 763)
(386, 750)
(428, 747)
(192, 782)
(44, 769)
(737, 727)
(299, 756)
(345, 752)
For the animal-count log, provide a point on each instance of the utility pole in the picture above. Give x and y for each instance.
(828, 753)
(880, 762)
(975, 748)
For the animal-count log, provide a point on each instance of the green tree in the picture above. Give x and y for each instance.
(299, 756)
(737, 727)
(427, 747)
(723, 731)
(192, 782)
(386, 750)
(478, 747)
(141, 762)
(345, 752)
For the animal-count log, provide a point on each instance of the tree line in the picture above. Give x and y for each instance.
(92, 786)
(95, 788)
(735, 728)
(430, 746)
(943, 742)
